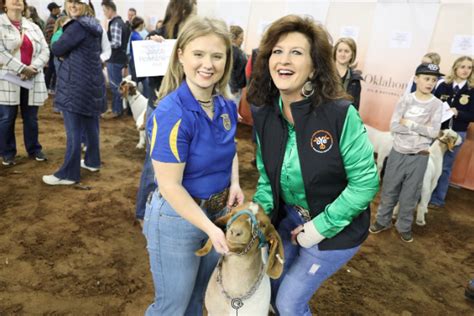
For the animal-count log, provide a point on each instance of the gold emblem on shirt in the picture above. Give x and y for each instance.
(464, 99)
(226, 122)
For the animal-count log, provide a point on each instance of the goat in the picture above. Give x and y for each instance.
(138, 103)
(382, 142)
(446, 140)
(240, 283)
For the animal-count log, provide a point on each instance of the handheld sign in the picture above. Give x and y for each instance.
(152, 58)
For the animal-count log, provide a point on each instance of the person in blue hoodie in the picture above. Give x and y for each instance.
(80, 94)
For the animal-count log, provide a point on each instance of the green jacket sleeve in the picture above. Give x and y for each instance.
(363, 181)
(263, 196)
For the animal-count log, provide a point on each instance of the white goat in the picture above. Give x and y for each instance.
(382, 142)
(447, 140)
(138, 103)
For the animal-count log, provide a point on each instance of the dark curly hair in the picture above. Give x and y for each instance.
(326, 82)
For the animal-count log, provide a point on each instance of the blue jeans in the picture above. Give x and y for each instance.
(30, 127)
(439, 194)
(304, 271)
(147, 179)
(115, 77)
(76, 125)
(179, 276)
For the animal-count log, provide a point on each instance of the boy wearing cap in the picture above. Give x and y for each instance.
(416, 121)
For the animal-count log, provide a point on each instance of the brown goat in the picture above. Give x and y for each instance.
(241, 280)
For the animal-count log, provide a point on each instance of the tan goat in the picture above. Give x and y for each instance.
(240, 284)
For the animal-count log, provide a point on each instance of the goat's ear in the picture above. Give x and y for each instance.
(205, 249)
(132, 90)
(440, 134)
(124, 89)
(222, 221)
(276, 258)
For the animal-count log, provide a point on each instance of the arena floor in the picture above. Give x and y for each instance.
(76, 250)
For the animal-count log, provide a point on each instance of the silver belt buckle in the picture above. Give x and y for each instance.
(303, 213)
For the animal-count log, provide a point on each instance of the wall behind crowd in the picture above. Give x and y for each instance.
(391, 35)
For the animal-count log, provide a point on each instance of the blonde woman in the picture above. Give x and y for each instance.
(344, 54)
(23, 53)
(458, 91)
(195, 162)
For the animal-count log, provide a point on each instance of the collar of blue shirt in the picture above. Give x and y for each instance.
(189, 101)
(460, 85)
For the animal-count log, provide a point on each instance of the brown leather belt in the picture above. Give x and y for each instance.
(421, 152)
(215, 203)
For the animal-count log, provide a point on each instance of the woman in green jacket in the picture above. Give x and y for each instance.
(317, 171)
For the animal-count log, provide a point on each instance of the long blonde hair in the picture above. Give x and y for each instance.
(194, 28)
(452, 75)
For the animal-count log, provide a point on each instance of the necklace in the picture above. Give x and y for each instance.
(206, 104)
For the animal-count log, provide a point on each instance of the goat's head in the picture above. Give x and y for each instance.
(450, 138)
(248, 230)
(127, 87)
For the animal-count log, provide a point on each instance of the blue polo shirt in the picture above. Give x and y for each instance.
(181, 132)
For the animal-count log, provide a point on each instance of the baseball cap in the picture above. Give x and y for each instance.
(53, 5)
(428, 69)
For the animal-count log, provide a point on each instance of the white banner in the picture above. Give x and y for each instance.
(152, 58)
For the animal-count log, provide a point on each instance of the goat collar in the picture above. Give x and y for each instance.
(134, 97)
(237, 302)
(447, 143)
(256, 232)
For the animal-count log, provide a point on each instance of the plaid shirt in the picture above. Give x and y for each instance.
(116, 34)
(49, 28)
(10, 61)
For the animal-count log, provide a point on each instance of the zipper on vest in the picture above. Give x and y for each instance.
(280, 161)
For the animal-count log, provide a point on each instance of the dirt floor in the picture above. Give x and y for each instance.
(76, 250)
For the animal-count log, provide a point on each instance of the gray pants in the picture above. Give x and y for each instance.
(402, 183)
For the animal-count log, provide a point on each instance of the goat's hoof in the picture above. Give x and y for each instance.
(140, 146)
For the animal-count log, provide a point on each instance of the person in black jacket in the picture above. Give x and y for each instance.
(237, 78)
(316, 164)
(80, 94)
(118, 35)
(458, 91)
(344, 54)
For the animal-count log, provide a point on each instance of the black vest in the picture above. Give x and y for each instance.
(119, 54)
(463, 101)
(318, 132)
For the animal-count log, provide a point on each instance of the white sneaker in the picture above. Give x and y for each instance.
(52, 180)
(91, 169)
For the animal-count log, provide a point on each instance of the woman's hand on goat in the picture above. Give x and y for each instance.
(236, 196)
(217, 236)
